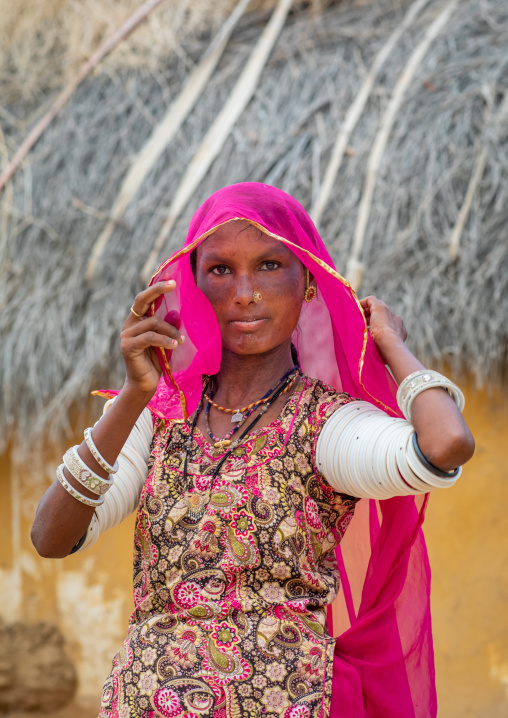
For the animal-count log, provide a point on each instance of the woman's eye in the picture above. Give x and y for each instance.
(270, 266)
(221, 270)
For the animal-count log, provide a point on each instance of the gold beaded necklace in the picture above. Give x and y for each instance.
(232, 446)
(284, 385)
(239, 414)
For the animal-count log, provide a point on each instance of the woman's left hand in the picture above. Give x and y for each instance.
(386, 328)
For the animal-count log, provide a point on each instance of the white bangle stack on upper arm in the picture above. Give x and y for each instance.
(363, 452)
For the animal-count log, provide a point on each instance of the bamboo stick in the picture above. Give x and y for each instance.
(354, 271)
(8, 202)
(164, 132)
(475, 179)
(69, 90)
(355, 111)
(220, 129)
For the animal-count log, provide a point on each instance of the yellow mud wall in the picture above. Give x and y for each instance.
(89, 595)
(467, 536)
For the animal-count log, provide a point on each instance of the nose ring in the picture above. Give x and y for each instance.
(256, 296)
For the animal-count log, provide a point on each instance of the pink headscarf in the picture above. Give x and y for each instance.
(383, 666)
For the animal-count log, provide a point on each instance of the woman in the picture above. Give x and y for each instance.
(250, 455)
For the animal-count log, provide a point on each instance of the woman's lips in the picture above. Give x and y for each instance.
(247, 324)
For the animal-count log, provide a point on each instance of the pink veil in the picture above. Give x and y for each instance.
(383, 665)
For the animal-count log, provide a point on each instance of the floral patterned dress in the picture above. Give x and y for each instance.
(232, 576)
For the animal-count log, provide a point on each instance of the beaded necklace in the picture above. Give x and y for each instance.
(286, 381)
(234, 444)
(222, 443)
(239, 414)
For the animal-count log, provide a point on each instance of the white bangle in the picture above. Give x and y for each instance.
(84, 474)
(97, 456)
(345, 424)
(394, 460)
(386, 450)
(74, 492)
(409, 476)
(123, 497)
(421, 380)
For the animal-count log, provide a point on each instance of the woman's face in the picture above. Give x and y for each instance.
(234, 262)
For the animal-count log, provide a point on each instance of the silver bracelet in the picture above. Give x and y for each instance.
(97, 456)
(84, 474)
(74, 492)
(421, 380)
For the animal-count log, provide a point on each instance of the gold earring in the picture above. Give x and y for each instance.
(310, 291)
(256, 296)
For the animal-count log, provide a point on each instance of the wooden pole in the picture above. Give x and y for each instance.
(354, 270)
(219, 131)
(355, 111)
(8, 203)
(164, 132)
(475, 179)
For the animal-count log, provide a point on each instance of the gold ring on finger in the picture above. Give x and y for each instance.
(133, 311)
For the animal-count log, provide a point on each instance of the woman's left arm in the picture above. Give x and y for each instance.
(443, 435)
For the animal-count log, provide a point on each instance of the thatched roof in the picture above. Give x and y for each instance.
(44, 42)
(441, 180)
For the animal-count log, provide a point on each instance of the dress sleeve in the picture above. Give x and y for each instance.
(363, 452)
(123, 497)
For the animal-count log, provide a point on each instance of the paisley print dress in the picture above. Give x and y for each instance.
(232, 576)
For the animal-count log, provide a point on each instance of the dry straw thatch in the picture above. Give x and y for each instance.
(421, 187)
(44, 43)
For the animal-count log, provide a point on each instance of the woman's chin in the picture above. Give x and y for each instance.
(249, 345)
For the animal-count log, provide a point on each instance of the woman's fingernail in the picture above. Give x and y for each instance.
(175, 343)
(182, 338)
(171, 282)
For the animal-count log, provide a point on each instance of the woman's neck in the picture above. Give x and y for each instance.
(243, 379)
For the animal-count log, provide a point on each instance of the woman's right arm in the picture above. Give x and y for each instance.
(62, 520)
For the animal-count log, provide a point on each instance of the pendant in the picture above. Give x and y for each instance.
(237, 417)
(222, 444)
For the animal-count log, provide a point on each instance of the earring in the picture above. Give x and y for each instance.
(310, 291)
(256, 296)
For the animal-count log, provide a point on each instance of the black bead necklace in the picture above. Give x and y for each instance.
(286, 381)
(188, 443)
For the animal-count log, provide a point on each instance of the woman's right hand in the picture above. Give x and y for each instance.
(139, 337)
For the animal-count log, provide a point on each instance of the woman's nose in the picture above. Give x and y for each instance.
(244, 290)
